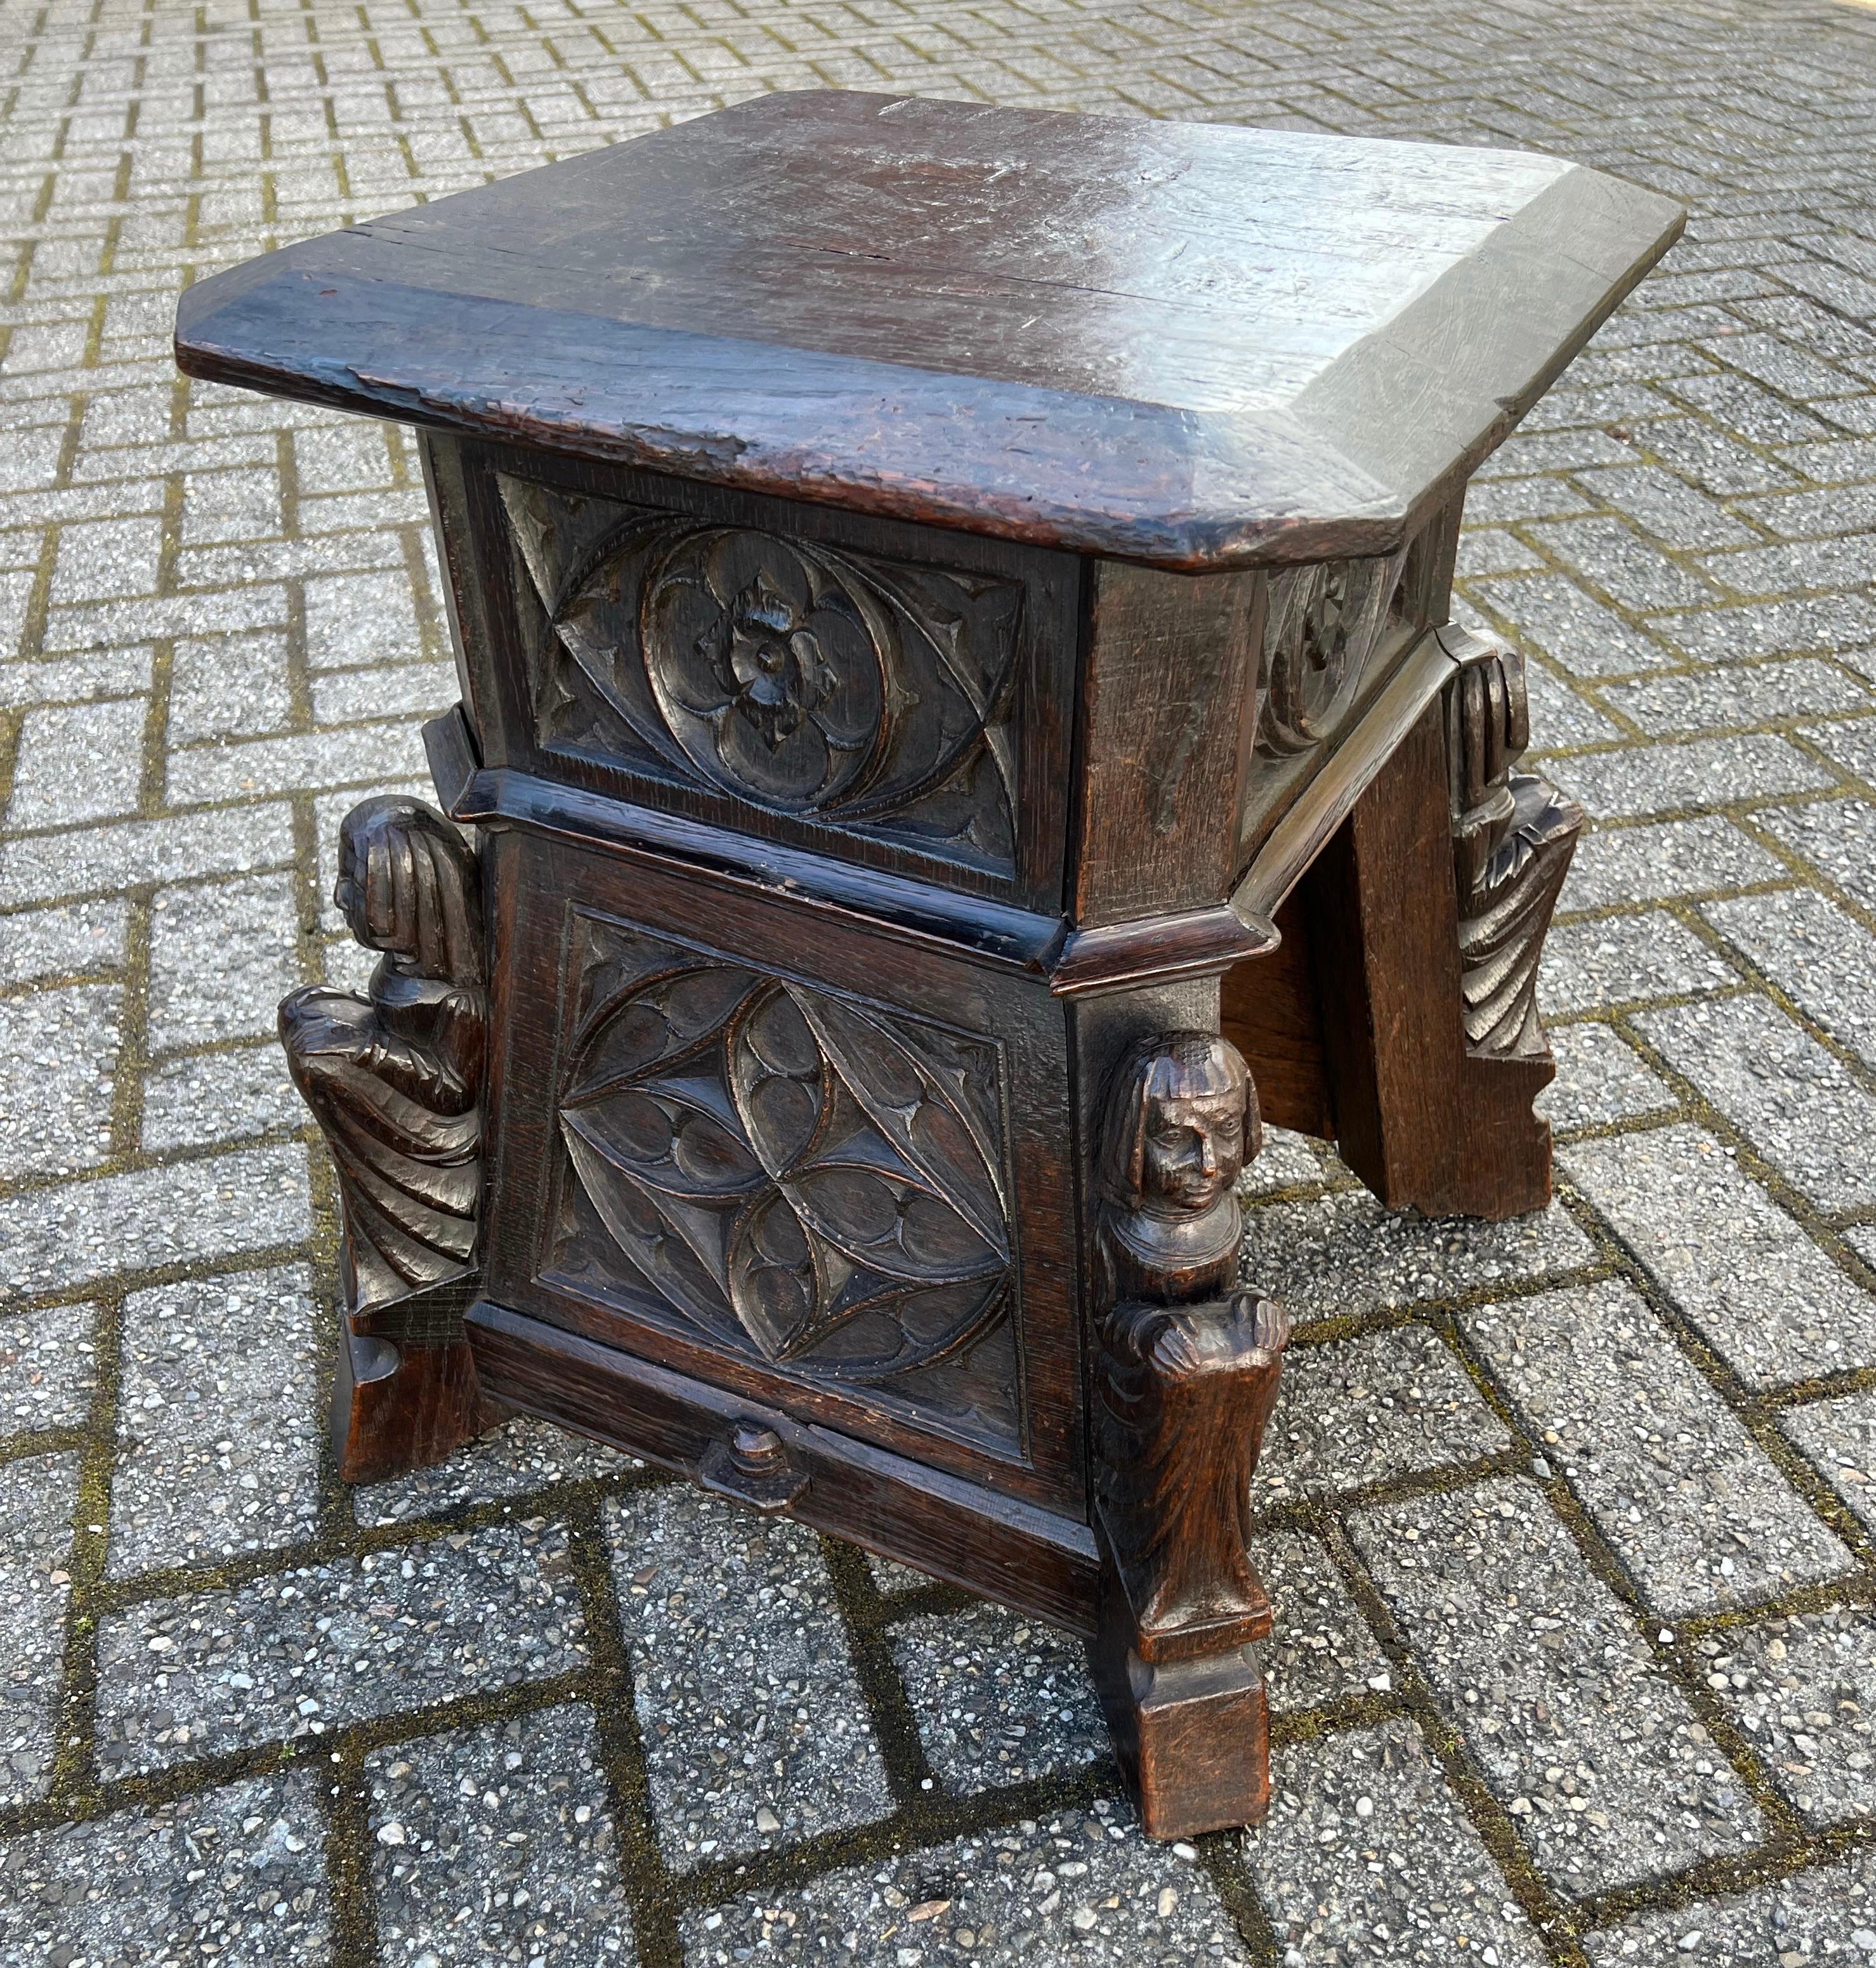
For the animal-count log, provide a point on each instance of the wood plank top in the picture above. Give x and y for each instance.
(1177, 343)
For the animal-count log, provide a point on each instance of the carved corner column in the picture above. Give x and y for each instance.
(1427, 914)
(1185, 1374)
(394, 1079)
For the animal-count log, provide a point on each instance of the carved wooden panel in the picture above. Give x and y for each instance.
(1331, 633)
(806, 1179)
(849, 689)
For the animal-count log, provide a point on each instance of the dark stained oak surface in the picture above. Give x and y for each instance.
(1192, 346)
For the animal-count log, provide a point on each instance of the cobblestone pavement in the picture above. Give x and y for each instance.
(1571, 1523)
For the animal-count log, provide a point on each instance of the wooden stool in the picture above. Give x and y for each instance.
(958, 718)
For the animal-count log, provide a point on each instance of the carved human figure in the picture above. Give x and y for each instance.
(1513, 836)
(1189, 1363)
(394, 1078)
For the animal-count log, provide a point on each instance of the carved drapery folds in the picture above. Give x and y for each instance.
(1187, 1364)
(810, 1178)
(844, 688)
(394, 1078)
(1513, 836)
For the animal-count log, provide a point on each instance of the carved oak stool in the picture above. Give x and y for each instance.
(958, 716)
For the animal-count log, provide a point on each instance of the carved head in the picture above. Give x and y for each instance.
(408, 886)
(1182, 1121)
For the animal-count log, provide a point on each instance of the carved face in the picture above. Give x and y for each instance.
(1192, 1149)
(1178, 1119)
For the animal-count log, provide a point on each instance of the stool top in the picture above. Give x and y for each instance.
(1193, 346)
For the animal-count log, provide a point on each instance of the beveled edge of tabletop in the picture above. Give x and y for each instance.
(1348, 466)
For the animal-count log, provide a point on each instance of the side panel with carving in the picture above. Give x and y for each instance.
(843, 683)
(1333, 634)
(840, 1201)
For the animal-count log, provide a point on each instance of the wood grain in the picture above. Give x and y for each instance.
(1004, 320)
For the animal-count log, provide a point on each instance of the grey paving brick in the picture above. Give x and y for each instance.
(1841, 461)
(1555, 450)
(220, 1205)
(1850, 743)
(1686, 1497)
(1668, 506)
(58, 1055)
(1809, 947)
(278, 1659)
(1594, 1752)
(1797, 1103)
(1068, 1888)
(258, 767)
(251, 928)
(1818, 626)
(79, 939)
(1365, 1410)
(37, 1495)
(1320, 1649)
(1716, 461)
(1599, 1078)
(360, 618)
(1344, 1254)
(999, 1699)
(1589, 966)
(219, 1420)
(1811, 1916)
(127, 853)
(79, 762)
(1799, 1687)
(1792, 565)
(1643, 780)
(521, 1456)
(1798, 515)
(227, 1096)
(71, 679)
(1749, 694)
(48, 1367)
(236, 1875)
(1762, 1295)
(1485, 550)
(229, 687)
(102, 558)
(224, 506)
(756, 1733)
(1670, 858)
(1568, 625)
(400, 690)
(497, 1844)
(1366, 1839)
(1838, 1438)
(1629, 569)
(1837, 837)
(1784, 366)
(1746, 410)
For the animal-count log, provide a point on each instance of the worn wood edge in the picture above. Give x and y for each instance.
(1330, 796)
(1154, 948)
(1028, 1558)
(1583, 243)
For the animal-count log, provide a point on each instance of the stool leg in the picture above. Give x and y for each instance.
(1185, 1376)
(1427, 914)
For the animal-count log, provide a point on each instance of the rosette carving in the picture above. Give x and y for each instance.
(847, 689)
(1320, 631)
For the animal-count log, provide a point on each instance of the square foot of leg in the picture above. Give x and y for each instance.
(1193, 1737)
